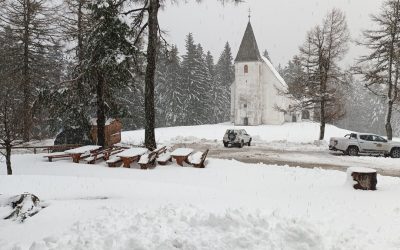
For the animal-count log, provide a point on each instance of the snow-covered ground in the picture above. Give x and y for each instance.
(227, 205)
(294, 144)
(302, 132)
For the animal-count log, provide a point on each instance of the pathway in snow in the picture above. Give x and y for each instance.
(297, 155)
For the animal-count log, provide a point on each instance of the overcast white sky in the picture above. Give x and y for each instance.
(280, 26)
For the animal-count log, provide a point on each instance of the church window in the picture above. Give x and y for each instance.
(246, 69)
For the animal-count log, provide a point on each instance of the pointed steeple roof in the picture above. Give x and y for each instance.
(248, 50)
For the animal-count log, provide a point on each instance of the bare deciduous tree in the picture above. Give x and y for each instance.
(315, 85)
(10, 97)
(33, 23)
(380, 69)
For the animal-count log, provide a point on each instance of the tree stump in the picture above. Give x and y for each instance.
(23, 206)
(362, 178)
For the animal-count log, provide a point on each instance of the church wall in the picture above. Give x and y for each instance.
(232, 102)
(272, 98)
(247, 94)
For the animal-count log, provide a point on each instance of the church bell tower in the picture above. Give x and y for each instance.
(246, 92)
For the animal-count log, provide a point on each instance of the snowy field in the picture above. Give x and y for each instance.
(227, 205)
(294, 144)
(302, 132)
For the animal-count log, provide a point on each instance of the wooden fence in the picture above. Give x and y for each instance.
(49, 149)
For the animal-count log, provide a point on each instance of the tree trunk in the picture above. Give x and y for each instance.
(8, 158)
(322, 121)
(26, 74)
(388, 125)
(101, 117)
(150, 140)
(363, 178)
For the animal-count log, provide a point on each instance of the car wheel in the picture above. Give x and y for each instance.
(225, 144)
(241, 144)
(352, 151)
(249, 144)
(395, 153)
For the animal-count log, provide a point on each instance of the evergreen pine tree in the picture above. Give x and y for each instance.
(169, 101)
(266, 55)
(210, 63)
(194, 76)
(106, 64)
(224, 78)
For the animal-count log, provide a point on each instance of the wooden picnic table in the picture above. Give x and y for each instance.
(181, 155)
(131, 155)
(76, 153)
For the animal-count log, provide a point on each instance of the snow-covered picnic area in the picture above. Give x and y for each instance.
(226, 205)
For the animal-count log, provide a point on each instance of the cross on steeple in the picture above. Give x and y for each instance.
(249, 14)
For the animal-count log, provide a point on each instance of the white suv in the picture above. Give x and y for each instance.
(236, 137)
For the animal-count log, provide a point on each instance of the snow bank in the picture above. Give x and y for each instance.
(188, 228)
(302, 132)
(227, 205)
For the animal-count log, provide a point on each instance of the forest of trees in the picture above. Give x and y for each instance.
(65, 69)
(61, 65)
(193, 90)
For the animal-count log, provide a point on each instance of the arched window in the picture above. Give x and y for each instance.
(246, 69)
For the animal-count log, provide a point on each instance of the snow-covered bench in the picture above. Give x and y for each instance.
(103, 154)
(93, 158)
(114, 161)
(164, 158)
(149, 160)
(111, 157)
(197, 159)
(56, 155)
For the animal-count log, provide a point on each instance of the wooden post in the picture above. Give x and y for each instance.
(362, 178)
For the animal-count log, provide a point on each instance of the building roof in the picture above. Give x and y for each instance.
(274, 71)
(248, 50)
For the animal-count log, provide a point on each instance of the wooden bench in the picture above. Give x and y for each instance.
(149, 160)
(197, 159)
(103, 154)
(94, 157)
(82, 152)
(164, 158)
(112, 151)
(58, 155)
(181, 155)
(114, 162)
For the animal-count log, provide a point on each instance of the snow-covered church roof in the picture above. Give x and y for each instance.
(274, 71)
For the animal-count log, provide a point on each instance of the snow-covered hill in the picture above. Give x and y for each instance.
(302, 132)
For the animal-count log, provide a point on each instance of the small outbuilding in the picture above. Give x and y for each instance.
(112, 131)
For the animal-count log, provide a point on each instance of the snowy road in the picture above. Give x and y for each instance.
(306, 156)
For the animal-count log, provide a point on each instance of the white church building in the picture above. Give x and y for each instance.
(255, 91)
